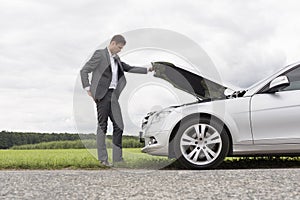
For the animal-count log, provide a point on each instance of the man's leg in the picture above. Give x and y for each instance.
(118, 126)
(103, 110)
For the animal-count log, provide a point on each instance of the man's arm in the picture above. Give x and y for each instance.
(131, 69)
(89, 67)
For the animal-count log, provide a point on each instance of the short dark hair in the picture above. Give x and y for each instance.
(118, 39)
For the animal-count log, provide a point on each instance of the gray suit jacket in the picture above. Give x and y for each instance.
(100, 66)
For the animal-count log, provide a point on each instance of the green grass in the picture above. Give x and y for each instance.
(47, 159)
(86, 159)
(74, 159)
(137, 160)
(76, 144)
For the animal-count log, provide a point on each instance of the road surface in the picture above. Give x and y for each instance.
(151, 184)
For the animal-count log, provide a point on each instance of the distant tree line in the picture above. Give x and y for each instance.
(9, 139)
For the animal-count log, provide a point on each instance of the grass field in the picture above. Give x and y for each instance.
(86, 159)
(74, 159)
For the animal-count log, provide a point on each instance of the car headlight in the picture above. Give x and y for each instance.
(160, 115)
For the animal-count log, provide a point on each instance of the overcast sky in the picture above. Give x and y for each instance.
(44, 44)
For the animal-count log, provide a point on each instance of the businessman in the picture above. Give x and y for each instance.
(106, 85)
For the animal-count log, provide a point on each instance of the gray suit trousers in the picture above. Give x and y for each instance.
(109, 106)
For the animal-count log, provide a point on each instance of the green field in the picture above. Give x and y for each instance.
(74, 159)
(86, 159)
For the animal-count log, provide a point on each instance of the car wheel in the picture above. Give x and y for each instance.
(201, 143)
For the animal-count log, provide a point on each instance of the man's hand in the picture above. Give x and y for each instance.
(150, 69)
(88, 89)
(89, 93)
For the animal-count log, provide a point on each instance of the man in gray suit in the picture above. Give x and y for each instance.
(107, 83)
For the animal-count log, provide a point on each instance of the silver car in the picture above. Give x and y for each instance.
(261, 120)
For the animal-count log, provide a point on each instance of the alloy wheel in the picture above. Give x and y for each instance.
(200, 144)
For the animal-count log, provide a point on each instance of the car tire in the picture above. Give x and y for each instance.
(201, 143)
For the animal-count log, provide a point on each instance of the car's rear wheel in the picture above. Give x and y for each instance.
(201, 143)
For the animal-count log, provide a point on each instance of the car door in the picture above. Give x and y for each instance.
(275, 117)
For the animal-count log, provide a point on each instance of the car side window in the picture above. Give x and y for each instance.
(294, 78)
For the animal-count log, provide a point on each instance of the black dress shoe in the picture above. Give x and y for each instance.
(106, 163)
(120, 163)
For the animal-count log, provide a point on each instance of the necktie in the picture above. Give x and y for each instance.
(117, 60)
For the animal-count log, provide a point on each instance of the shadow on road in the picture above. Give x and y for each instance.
(251, 163)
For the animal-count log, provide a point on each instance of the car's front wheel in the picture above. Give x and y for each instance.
(201, 143)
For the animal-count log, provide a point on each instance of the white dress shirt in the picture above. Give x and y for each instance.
(114, 70)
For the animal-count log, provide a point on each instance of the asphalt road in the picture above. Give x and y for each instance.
(151, 184)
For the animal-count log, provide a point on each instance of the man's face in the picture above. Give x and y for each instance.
(115, 48)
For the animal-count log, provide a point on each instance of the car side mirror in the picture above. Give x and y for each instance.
(278, 83)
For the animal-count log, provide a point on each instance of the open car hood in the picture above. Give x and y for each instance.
(189, 82)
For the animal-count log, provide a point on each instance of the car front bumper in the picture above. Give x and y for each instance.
(156, 131)
(156, 143)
